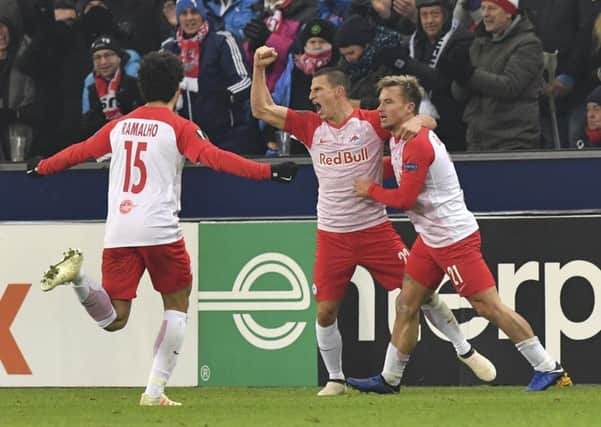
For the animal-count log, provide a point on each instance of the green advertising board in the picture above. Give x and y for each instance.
(256, 310)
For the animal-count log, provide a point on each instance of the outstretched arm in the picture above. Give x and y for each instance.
(195, 146)
(96, 146)
(262, 105)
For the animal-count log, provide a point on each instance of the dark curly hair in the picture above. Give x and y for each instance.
(159, 76)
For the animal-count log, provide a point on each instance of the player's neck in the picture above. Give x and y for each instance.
(160, 104)
(342, 115)
(397, 130)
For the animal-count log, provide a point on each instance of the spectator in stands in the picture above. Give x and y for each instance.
(359, 43)
(437, 40)
(18, 105)
(593, 118)
(293, 87)
(168, 24)
(135, 23)
(216, 85)
(397, 15)
(277, 26)
(96, 18)
(501, 81)
(109, 91)
(334, 11)
(231, 15)
(58, 60)
(565, 26)
(467, 13)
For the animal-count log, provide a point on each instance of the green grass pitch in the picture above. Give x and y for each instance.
(220, 406)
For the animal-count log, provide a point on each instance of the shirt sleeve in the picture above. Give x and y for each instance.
(373, 117)
(96, 146)
(302, 125)
(418, 155)
(196, 147)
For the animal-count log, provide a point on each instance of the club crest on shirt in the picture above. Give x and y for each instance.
(126, 206)
(409, 166)
(201, 134)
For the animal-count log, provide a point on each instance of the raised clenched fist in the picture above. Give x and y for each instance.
(265, 56)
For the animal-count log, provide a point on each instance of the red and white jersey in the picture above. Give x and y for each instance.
(148, 148)
(428, 190)
(339, 154)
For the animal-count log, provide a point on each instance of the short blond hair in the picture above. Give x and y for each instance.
(411, 90)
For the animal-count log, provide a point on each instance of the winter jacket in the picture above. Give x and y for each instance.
(451, 127)
(282, 39)
(18, 100)
(223, 98)
(234, 19)
(502, 112)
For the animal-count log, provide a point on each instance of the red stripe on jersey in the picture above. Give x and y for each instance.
(418, 155)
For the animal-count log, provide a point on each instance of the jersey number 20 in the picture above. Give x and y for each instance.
(137, 163)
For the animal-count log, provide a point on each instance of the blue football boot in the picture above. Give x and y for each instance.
(543, 380)
(375, 384)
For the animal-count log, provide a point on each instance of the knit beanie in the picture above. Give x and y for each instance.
(510, 6)
(182, 5)
(356, 30)
(595, 96)
(424, 3)
(318, 28)
(106, 42)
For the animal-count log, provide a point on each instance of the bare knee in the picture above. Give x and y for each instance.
(122, 309)
(327, 312)
(404, 308)
(117, 325)
(489, 309)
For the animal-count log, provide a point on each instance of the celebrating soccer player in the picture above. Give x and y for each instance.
(344, 143)
(148, 148)
(448, 242)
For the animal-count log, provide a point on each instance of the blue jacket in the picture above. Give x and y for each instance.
(222, 100)
(234, 19)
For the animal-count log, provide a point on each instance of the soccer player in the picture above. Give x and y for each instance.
(343, 143)
(448, 242)
(148, 148)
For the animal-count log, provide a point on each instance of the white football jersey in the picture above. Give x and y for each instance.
(148, 148)
(440, 215)
(339, 155)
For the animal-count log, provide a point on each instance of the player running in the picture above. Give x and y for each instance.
(148, 148)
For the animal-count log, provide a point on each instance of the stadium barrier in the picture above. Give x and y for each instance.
(48, 339)
(252, 317)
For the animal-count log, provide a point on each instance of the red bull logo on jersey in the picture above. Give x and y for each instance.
(343, 157)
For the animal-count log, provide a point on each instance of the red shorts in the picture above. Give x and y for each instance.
(168, 266)
(461, 261)
(379, 249)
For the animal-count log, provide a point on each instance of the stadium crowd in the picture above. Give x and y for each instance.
(500, 75)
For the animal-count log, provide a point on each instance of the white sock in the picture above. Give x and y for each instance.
(444, 320)
(95, 300)
(536, 354)
(166, 349)
(394, 365)
(82, 284)
(329, 342)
